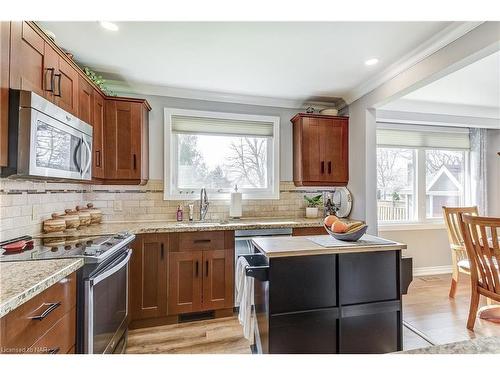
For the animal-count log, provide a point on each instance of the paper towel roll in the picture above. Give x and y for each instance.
(235, 207)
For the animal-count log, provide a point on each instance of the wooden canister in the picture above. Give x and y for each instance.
(95, 214)
(83, 215)
(55, 224)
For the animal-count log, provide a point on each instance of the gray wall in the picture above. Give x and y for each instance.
(156, 126)
(427, 247)
(493, 167)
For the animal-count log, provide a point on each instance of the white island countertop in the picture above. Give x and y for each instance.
(279, 246)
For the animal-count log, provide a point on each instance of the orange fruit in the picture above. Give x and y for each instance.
(339, 227)
(329, 220)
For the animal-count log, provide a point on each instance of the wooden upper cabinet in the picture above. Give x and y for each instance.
(50, 69)
(126, 138)
(320, 150)
(85, 104)
(36, 66)
(148, 276)
(98, 135)
(4, 91)
(26, 58)
(66, 87)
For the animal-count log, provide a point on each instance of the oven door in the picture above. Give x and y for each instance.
(106, 306)
(56, 149)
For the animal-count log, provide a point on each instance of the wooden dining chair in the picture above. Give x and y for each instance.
(481, 243)
(459, 258)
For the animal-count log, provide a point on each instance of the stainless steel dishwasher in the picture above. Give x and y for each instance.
(243, 243)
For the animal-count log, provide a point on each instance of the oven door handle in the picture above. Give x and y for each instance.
(96, 280)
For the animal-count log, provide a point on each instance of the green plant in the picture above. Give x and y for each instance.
(313, 201)
(98, 80)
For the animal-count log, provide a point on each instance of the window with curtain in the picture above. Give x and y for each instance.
(419, 170)
(219, 151)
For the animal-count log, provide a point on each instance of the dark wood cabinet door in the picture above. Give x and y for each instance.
(26, 58)
(185, 282)
(320, 150)
(148, 276)
(334, 150)
(312, 162)
(123, 140)
(50, 69)
(218, 279)
(4, 91)
(85, 92)
(66, 87)
(98, 135)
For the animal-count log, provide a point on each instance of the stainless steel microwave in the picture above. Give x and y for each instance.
(45, 141)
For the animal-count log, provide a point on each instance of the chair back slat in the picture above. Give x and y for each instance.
(452, 220)
(481, 242)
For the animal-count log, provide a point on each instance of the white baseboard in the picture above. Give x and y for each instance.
(437, 270)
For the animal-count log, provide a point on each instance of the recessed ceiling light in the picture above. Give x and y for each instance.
(371, 61)
(108, 25)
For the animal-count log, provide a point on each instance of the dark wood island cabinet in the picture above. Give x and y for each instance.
(326, 300)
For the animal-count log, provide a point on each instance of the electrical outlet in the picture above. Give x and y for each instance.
(34, 212)
(117, 206)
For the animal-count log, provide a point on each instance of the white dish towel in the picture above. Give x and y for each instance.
(245, 297)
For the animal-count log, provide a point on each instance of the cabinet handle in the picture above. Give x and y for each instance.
(97, 158)
(162, 250)
(52, 71)
(58, 75)
(135, 162)
(51, 307)
(329, 167)
(202, 241)
(206, 268)
(53, 350)
(196, 271)
(322, 167)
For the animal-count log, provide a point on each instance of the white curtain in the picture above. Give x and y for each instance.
(479, 194)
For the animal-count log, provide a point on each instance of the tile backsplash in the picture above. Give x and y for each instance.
(25, 204)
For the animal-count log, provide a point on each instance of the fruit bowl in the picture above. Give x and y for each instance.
(351, 236)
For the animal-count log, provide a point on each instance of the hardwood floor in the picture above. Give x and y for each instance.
(426, 307)
(217, 336)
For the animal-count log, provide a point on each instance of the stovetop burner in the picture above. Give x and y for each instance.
(92, 249)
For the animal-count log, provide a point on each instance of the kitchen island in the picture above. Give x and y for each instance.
(319, 295)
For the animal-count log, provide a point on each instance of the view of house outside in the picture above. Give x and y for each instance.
(397, 183)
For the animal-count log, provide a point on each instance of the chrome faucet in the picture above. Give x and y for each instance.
(203, 204)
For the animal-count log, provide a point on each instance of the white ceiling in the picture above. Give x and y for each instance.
(473, 90)
(277, 59)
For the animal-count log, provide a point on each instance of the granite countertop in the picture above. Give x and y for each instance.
(482, 345)
(137, 227)
(303, 245)
(21, 281)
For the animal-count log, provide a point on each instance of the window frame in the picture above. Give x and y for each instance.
(420, 216)
(170, 147)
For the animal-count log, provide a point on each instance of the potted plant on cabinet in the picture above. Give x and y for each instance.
(312, 205)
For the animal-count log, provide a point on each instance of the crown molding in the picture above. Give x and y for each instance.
(443, 38)
(134, 88)
(435, 119)
(442, 108)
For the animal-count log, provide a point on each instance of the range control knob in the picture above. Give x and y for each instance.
(91, 250)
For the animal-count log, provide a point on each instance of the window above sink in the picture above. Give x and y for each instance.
(217, 151)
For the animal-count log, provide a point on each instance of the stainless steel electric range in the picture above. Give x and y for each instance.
(102, 289)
